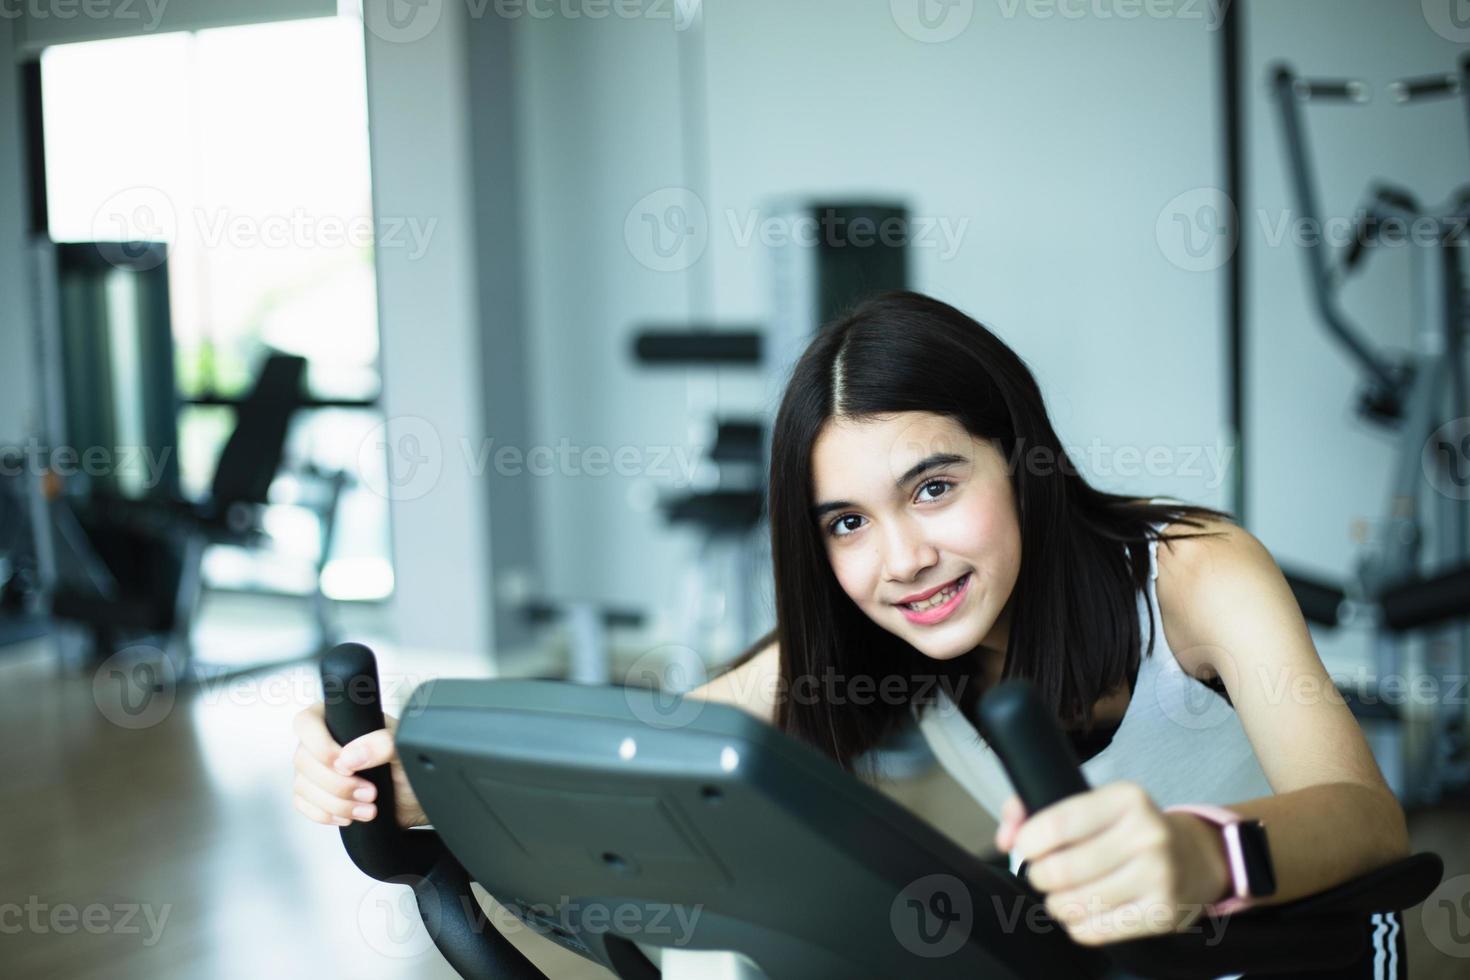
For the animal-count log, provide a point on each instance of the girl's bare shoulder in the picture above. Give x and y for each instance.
(750, 687)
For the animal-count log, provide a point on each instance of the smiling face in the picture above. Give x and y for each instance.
(912, 506)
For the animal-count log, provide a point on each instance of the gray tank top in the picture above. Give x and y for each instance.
(1178, 739)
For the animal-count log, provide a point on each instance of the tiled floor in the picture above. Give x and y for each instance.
(158, 842)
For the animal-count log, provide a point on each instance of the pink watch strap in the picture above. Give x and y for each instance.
(1235, 857)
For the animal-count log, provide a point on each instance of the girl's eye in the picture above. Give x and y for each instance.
(946, 484)
(839, 528)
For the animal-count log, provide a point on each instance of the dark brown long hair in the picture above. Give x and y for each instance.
(1074, 628)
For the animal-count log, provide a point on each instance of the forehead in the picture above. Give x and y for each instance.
(854, 457)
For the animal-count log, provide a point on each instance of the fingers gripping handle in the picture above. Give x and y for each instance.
(1041, 764)
(354, 707)
(381, 850)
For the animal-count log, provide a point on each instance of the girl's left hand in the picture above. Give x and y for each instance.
(1113, 866)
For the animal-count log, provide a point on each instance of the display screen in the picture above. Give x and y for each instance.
(1258, 871)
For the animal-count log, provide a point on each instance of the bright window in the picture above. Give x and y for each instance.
(246, 149)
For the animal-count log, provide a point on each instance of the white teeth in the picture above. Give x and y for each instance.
(937, 599)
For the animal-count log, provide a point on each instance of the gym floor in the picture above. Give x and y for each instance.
(171, 850)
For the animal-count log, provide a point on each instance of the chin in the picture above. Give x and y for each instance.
(947, 647)
(947, 651)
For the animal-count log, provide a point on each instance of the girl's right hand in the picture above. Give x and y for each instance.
(327, 790)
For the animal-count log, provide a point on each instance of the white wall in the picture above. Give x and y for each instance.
(599, 113)
(419, 110)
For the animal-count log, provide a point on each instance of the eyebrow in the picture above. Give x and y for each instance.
(924, 465)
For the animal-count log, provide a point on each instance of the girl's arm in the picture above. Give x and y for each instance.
(1228, 612)
(1114, 867)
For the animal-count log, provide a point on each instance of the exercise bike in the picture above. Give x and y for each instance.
(629, 827)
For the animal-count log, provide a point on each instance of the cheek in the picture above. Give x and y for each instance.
(976, 531)
(1002, 544)
(855, 571)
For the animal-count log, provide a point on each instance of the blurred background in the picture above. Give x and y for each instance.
(457, 328)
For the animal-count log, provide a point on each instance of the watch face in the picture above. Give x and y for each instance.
(1259, 873)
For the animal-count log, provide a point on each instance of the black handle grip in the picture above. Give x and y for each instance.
(418, 858)
(354, 707)
(1037, 756)
(1331, 90)
(1425, 87)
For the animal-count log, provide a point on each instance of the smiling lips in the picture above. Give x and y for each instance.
(936, 604)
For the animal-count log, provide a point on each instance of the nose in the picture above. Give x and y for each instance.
(906, 552)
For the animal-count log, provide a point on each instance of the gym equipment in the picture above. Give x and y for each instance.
(588, 625)
(108, 362)
(628, 826)
(1424, 398)
(21, 615)
(120, 549)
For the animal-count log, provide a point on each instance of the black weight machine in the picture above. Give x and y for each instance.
(1423, 397)
(119, 552)
(600, 817)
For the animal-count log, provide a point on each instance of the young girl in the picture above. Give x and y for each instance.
(927, 526)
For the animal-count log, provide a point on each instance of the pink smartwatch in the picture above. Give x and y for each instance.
(1252, 875)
